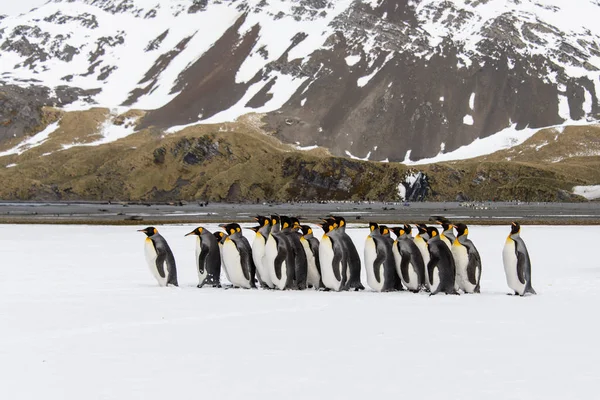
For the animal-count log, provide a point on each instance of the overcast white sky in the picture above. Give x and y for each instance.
(13, 7)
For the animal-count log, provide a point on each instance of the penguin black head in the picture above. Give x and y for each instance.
(286, 222)
(295, 223)
(432, 232)
(461, 229)
(373, 226)
(262, 220)
(328, 226)
(306, 230)
(384, 230)
(149, 231)
(407, 229)
(275, 220)
(340, 221)
(398, 231)
(515, 228)
(198, 231)
(231, 228)
(422, 228)
(219, 235)
(445, 222)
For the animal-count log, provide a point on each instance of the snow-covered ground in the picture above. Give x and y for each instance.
(82, 318)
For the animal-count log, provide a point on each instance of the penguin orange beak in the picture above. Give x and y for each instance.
(191, 233)
(141, 230)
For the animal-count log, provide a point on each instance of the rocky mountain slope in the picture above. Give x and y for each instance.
(379, 80)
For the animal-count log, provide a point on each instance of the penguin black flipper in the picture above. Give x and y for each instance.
(377, 263)
(472, 266)
(204, 249)
(160, 262)
(433, 262)
(336, 263)
(521, 267)
(172, 270)
(404, 266)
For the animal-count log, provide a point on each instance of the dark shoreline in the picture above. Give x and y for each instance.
(134, 213)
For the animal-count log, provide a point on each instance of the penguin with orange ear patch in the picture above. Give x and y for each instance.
(159, 257)
(441, 269)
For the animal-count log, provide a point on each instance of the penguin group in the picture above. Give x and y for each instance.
(286, 255)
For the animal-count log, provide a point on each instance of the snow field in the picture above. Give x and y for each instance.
(82, 317)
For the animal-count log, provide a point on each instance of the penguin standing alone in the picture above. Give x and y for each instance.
(441, 268)
(517, 264)
(237, 258)
(159, 257)
(208, 258)
(468, 261)
(409, 261)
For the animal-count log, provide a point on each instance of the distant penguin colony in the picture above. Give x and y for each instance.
(286, 255)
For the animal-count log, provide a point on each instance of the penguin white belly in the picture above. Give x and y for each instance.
(422, 246)
(326, 258)
(269, 258)
(201, 275)
(370, 256)
(233, 265)
(461, 259)
(150, 253)
(509, 258)
(258, 255)
(413, 283)
(435, 282)
(312, 277)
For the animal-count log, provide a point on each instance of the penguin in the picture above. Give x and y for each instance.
(385, 233)
(289, 227)
(421, 243)
(208, 258)
(467, 260)
(237, 257)
(279, 257)
(379, 260)
(352, 257)
(447, 236)
(310, 244)
(517, 264)
(441, 268)
(220, 236)
(331, 251)
(160, 258)
(258, 251)
(408, 258)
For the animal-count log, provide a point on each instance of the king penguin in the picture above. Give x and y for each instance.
(220, 236)
(409, 260)
(331, 252)
(279, 257)
(237, 258)
(517, 265)
(447, 236)
(289, 227)
(310, 244)
(441, 268)
(467, 260)
(421, 243)
(379, 261)
(159, 257)
(208, 258)
(258, 251)
(352, 257)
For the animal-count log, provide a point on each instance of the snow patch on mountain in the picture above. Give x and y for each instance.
(589, 192)
(33, 141)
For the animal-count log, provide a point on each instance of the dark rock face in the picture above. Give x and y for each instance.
(21, 108)
(417, 190)
(196, 150)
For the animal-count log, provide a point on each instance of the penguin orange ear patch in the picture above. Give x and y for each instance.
(433, 233)
(155, 231)
(309, 231)
(401, 232)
